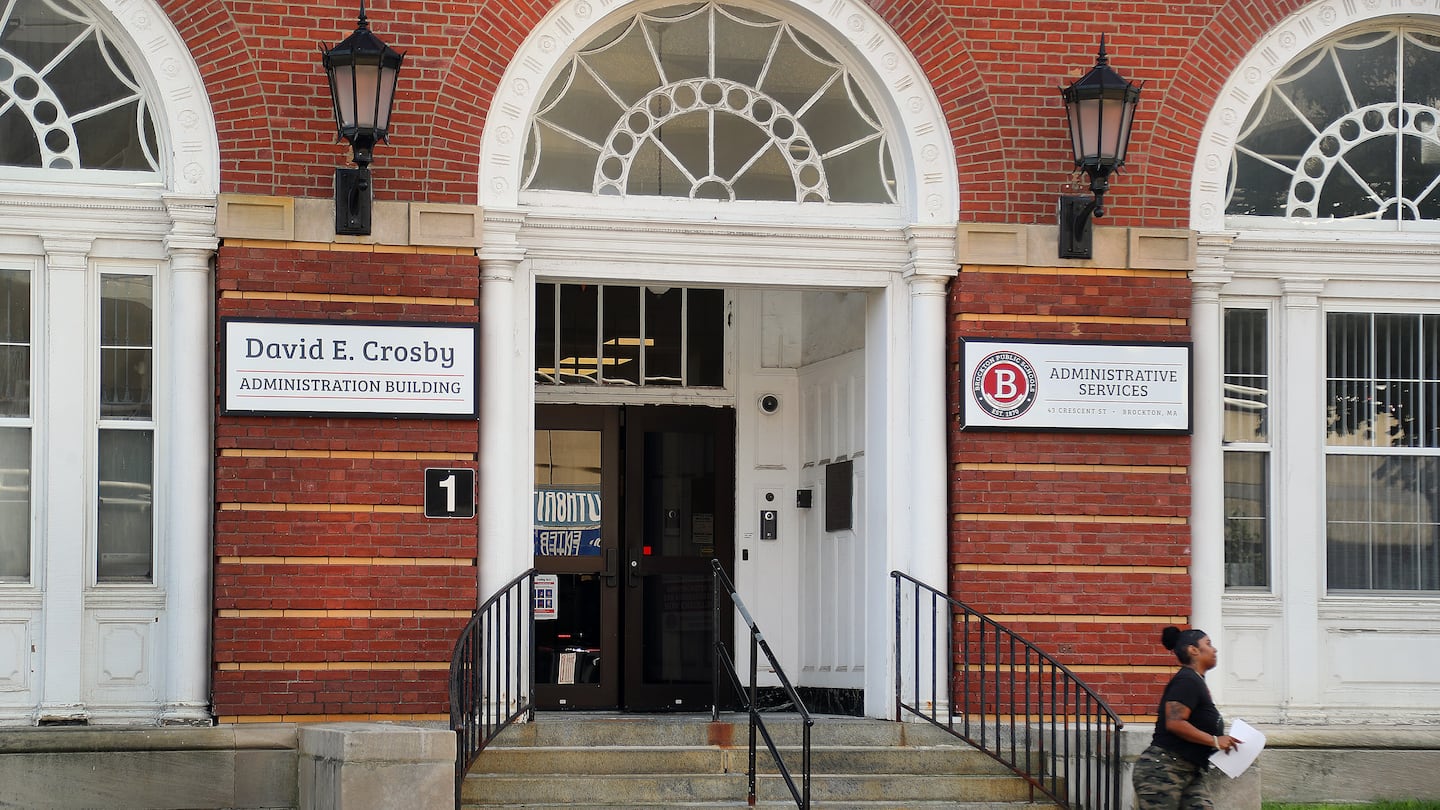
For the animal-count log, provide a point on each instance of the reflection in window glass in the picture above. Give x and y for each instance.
(14, 503)
(652, 335)
(663, 335)
(126, 352)
(1350, 130)
(14, 343)
(706, 319)
(1382, 508)
(126, 528)
(14, 425)
(1247, 509)
(1247, 455)
(79, 104)
(620, 336)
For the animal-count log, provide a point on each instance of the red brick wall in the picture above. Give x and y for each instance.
(1078, 541)
(334, 594)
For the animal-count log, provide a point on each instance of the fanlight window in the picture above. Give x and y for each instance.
(1351, 130)
(712, 102)
(68, 100)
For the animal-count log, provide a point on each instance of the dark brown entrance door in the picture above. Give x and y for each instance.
(632, 503)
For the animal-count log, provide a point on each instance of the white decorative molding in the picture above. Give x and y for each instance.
(189, 144)
(14, 656)
(1291, 37)
(924, 153)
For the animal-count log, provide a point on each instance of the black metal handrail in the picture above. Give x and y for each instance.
(748, 696)
(492, 673)
(1012, 700)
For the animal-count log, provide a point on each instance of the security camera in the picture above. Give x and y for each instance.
(769, 403)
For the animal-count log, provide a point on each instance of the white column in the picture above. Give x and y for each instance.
(186, 460)
(505, 384)
(66, 485)
(1207, 454)
(921, 469)
(1301, 535)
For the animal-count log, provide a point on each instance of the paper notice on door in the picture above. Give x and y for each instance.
(567, 668)
(1235, 761)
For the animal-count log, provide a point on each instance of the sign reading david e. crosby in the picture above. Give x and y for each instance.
(1075, 386)
(321, 367)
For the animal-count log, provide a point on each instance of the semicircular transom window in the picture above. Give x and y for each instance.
(68, 99)
(1351, 130)
(709, 102)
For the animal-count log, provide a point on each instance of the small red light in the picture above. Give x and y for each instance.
(648, 550)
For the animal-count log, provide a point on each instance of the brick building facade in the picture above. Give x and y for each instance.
(292, 572)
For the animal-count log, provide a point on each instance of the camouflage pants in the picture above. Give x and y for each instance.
(1164, 781)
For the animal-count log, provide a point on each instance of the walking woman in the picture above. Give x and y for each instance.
(1170, 774)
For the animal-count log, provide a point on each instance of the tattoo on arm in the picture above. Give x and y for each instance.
(1175, 710)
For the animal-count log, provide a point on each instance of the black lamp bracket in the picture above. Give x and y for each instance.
(354, 199)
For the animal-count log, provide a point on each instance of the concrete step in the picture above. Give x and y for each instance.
(624, 789)
(584, 729)
(640, 759)
(573, 760)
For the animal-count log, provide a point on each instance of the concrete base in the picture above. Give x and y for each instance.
(1351, 764)
(376, 766)
(243, 767)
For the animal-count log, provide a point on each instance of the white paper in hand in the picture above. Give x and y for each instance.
(1235, 761)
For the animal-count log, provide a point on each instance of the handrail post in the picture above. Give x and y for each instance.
(754, 707)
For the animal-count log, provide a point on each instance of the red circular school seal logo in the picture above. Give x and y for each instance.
(1004, 385)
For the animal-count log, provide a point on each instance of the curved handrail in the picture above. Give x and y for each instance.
(801, 795)
(492, 680)
(1063, 738)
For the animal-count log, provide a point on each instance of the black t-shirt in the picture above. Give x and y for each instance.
(1187, 687)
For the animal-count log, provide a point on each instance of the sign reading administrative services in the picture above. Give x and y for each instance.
(1075, 386)
(360, 369)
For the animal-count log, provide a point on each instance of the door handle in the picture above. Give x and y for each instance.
(611, 574)
(632, 573)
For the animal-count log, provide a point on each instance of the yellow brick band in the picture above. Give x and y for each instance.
(1045, 618)
(455, 562)
(349, 247)
(337, 298)
(1102, 272)
(369, 455)
(237, 719)
(1048, 568)
(1006, 466)
(1156, 520)
(333, 666)
(270, 613)
(981, 317)
(338, 508)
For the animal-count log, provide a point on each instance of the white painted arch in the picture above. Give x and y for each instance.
(924, 153)
(1297, 33)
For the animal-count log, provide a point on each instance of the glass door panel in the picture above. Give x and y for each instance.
(576, 557)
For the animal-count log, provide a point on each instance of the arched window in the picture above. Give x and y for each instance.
(68, 100)
(711, 102)
(1350, 130)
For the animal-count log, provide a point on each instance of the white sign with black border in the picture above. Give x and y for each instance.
(449, 492)
(1055, 385)
(298, 367)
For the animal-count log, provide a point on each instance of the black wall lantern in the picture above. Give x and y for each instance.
(362, 71)
(1099, 109)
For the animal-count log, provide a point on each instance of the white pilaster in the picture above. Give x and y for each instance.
(1207, 454)
(1301, 465)
(66, 483)
(932, 265)
(187, 459)
(506, 383)
(919, 528)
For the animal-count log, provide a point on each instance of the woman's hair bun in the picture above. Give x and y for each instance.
(1169, 636)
